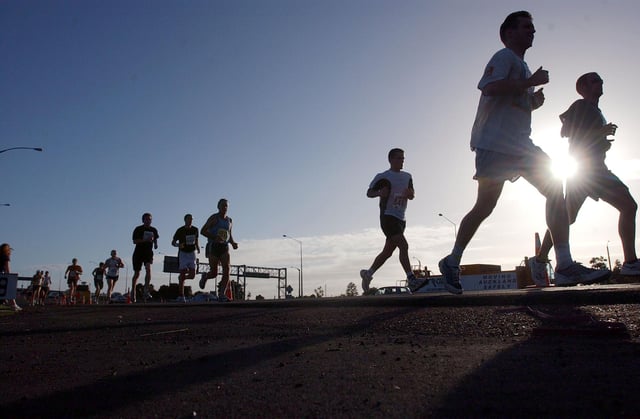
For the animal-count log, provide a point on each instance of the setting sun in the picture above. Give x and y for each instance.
(564, 167)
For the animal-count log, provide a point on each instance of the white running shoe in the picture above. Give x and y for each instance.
(451, 275)
(539, 272)
(366, 279)
(575, 274)
(630, 268)
(146, 295)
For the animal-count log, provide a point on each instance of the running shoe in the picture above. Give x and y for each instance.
(576, 273)
(203, 280)
(630, 268)
(451, 276)
(366, 279)
(146, 295)
(415, 283)
(539, 273)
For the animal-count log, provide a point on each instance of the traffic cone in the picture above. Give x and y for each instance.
(228, 292)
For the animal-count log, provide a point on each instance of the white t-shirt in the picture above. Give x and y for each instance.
(112, 266)
(396, 203)
(503, 123)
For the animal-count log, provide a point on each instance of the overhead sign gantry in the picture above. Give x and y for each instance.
(240, 272)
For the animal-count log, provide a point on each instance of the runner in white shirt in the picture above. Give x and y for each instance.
(394, 187)
(112, 272)
(504, 151)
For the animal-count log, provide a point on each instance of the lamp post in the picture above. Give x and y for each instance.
(300, 285)
(21, 148)
(455, 227)
(126, 279)
(608, 255)
(299, 276)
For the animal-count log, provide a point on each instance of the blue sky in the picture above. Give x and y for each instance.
(288, 109)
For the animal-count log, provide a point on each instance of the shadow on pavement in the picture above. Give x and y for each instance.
(572, 366)
(167, 381)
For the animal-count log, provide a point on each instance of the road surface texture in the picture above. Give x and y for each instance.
(527, 353)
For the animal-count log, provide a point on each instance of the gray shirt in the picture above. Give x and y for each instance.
(503, 123)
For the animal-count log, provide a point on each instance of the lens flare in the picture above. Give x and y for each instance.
(564, 167)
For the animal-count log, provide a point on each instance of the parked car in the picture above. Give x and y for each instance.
(203, 298)
(117, 298)
(393, 290)
(54, 296)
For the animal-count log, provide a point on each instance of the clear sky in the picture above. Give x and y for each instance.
(288, 109)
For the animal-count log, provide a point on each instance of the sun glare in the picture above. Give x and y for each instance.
(564, 167)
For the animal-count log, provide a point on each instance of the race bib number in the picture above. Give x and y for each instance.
(148, 236)
(223, 235)
(399, 201)
(190, 240)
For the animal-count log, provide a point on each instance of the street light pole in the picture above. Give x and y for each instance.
(21, 148)
(301, 284)
(419, 263)
(126, 279)
(608, 255)
(455, 227)
(299, 277)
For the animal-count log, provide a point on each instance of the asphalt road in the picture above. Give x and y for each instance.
(534, 353)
